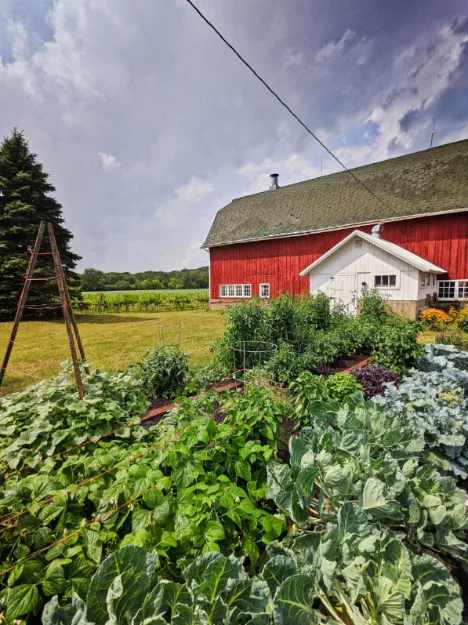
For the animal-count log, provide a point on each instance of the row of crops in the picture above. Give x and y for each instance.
(146, 301)
(337, 501)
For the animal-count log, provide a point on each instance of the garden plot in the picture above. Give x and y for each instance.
(361, 519)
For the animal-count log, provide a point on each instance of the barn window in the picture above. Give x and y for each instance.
(423, 279)
(265, 290)
(447, 289)
(453, 289)
(388, 280)
(235, 290)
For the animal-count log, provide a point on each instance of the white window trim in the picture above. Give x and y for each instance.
(243, 296)
(456, 296)
(260, 290)
(387, 273)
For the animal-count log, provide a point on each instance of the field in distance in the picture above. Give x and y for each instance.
(149, 291)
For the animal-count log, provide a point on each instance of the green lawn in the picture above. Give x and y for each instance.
(111, 342)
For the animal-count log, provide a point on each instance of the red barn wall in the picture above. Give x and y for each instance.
(441, 239)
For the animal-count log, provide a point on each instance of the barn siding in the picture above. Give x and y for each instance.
(441, 239)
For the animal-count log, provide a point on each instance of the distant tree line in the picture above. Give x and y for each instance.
(96, 280)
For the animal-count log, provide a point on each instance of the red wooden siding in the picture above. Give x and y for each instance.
(442, 239)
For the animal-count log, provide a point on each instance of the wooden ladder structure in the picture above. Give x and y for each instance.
(65, 303)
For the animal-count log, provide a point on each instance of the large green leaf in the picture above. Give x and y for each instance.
(21, 600)
(294, 600)
(375, 501)
(135, 566)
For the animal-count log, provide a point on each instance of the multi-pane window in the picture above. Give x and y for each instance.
(447, 289)
(426, 279)
(453, 289)
(235, 290)
(463, 289)
(265, 290)
(385, 281)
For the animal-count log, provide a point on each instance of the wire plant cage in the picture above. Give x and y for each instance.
(249, 359)
(170, 334)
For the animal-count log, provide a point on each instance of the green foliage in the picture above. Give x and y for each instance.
(95, 280)
(373, 307)
(309, 389)
(340, 385)
(308, 335)
(453, 337)
(24, 202)
(202, 377)
(195, 487)
(162, 370)
(354, 573)
(286, 364)
(394, 345)
(356, 454)
(143, 302)
(50, 417)
(215, 590)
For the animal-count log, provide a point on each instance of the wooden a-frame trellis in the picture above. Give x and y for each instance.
(65, 303)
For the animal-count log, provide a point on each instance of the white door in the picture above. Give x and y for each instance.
(342, 291)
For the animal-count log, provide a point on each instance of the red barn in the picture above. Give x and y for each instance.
(260, 244)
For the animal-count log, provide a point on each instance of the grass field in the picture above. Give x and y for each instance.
(111, 342)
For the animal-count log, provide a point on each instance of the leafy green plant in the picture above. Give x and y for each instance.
(353, 573)
(394, 345)
(341, 385)
(162, 370)
(373, 307)
(49, 417)
(125, 589)
(358, 454)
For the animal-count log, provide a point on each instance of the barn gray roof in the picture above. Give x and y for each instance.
(431, 181)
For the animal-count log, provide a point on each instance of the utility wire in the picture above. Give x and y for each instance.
(283, 103)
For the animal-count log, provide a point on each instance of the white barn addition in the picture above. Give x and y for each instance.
(364, 261)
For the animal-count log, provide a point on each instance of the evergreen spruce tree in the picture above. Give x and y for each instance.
(25, 201)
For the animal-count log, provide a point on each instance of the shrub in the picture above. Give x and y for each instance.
(434, 317)
(462, 319)
(245, 322)
(395, 344)
(162, 370)
(285, 364)
(372, 306)
(452, 337)
(373, 378)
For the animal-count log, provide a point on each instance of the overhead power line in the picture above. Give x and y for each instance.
(286, 106)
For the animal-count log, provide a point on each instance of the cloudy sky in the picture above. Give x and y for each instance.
(148, 124)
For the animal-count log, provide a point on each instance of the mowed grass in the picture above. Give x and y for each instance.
(111, 342)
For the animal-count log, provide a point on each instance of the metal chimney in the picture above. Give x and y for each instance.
(274, 182)
(377, 231)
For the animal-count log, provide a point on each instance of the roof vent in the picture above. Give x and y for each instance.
(274, 182)
(377, 231)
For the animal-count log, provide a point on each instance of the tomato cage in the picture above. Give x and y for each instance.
(170, 334)
(250, 359)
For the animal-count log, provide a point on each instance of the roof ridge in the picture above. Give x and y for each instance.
(353, 169)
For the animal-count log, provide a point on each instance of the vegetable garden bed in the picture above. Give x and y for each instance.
(206, 517)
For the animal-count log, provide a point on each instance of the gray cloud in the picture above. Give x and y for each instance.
(148, 124)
